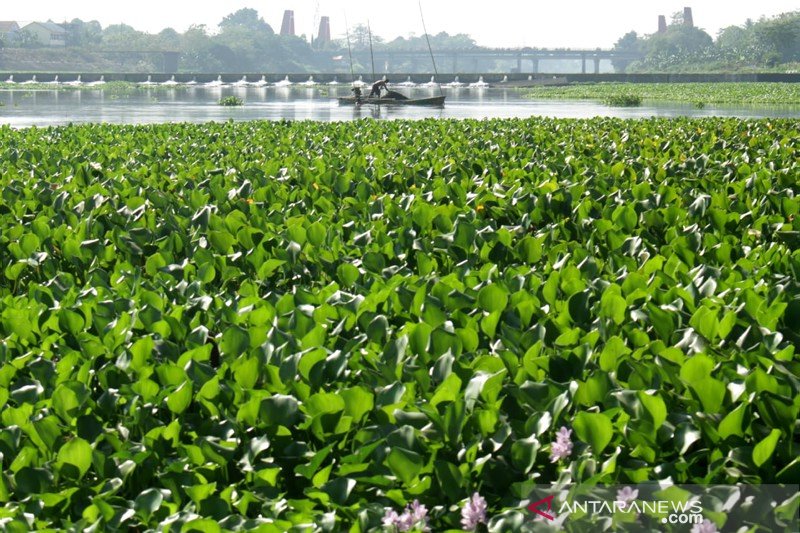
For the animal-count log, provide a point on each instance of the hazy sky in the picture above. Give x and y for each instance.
(552, 23)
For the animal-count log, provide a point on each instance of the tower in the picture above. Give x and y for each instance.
(688, 20)
(662, 24)
(287, 26)
(324, 35)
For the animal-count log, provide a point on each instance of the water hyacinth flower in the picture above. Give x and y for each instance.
(414, 517)
(626, 496)
(707, 526)
(474, 512)
(561, 448)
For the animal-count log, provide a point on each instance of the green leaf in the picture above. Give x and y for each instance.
(595, 429)
(493, 298)
(613, 306)
(179, 400)
(235, 341)
(222, 241)
(77, 453)
(705, 322)
(764, 449)
(732, 424)
(404, 464)
(147, 503)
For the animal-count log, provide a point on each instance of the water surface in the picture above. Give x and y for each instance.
(24, 108)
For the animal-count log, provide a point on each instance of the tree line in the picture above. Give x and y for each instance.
(242, 42)
(769, 43)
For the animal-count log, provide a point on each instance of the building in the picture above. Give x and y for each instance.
(287, 27)
(324, 34)
(47, 33)
(7, 30)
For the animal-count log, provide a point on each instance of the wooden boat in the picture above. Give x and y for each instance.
(433, 101)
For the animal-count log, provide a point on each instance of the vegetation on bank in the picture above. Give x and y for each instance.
(231, 326)
(697, 93)
(766, 45)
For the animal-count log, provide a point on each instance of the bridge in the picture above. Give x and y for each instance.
(520, 55)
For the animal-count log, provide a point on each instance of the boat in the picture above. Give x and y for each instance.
(432, 101)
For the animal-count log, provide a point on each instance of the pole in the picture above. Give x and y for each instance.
(427, 38)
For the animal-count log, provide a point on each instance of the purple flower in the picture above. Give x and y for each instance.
(391, 518)
(561, 448)
(626, 496)
(706, 527)
(419, 513)
(474, 512)
(414, 516)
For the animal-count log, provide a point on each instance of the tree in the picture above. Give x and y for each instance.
(781, 35)
(83, 34)
(627, 44)
(26, 39)
(169, 38)
(246, 18)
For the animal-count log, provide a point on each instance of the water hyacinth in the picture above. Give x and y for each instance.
(414, 517)
(625, 496)
(474, 512)
(707, 526)
(562, 446)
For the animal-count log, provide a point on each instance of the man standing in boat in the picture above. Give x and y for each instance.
(377, 86)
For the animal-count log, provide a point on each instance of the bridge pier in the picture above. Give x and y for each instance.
(455, 63)
(583, 63)
(519, 63)
(597, 65)
(535, 67)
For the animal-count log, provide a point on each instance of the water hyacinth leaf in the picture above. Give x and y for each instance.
(613, 306)
(235, 341)
(70, 321)
(493, 298)
(148, 502)
(595, 429)
(405, 464)
(75, 453)
(179, 400)
(764, 449)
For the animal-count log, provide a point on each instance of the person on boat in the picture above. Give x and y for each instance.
(377, 86)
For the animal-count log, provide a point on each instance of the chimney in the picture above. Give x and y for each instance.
(324, 35)
(688, 20)
(662, 24)
(287, 27)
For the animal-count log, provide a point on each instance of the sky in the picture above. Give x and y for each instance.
(496, 23)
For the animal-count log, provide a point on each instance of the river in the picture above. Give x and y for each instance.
(146, 105)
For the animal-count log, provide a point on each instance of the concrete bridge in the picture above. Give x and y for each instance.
(522, 56)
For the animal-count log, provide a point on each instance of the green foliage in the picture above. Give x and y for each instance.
(266, 325)
(717, 93)
(231, 101)
(624, 100)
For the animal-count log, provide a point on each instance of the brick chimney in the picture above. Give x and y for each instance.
(324, 35)
(688, 20)
(287, 27)
(662, 24)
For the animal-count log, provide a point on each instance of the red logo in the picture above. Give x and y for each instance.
(534, 507)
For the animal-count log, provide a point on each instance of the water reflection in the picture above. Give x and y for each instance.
(199, 103)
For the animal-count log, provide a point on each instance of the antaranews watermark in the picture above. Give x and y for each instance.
(664, 507)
